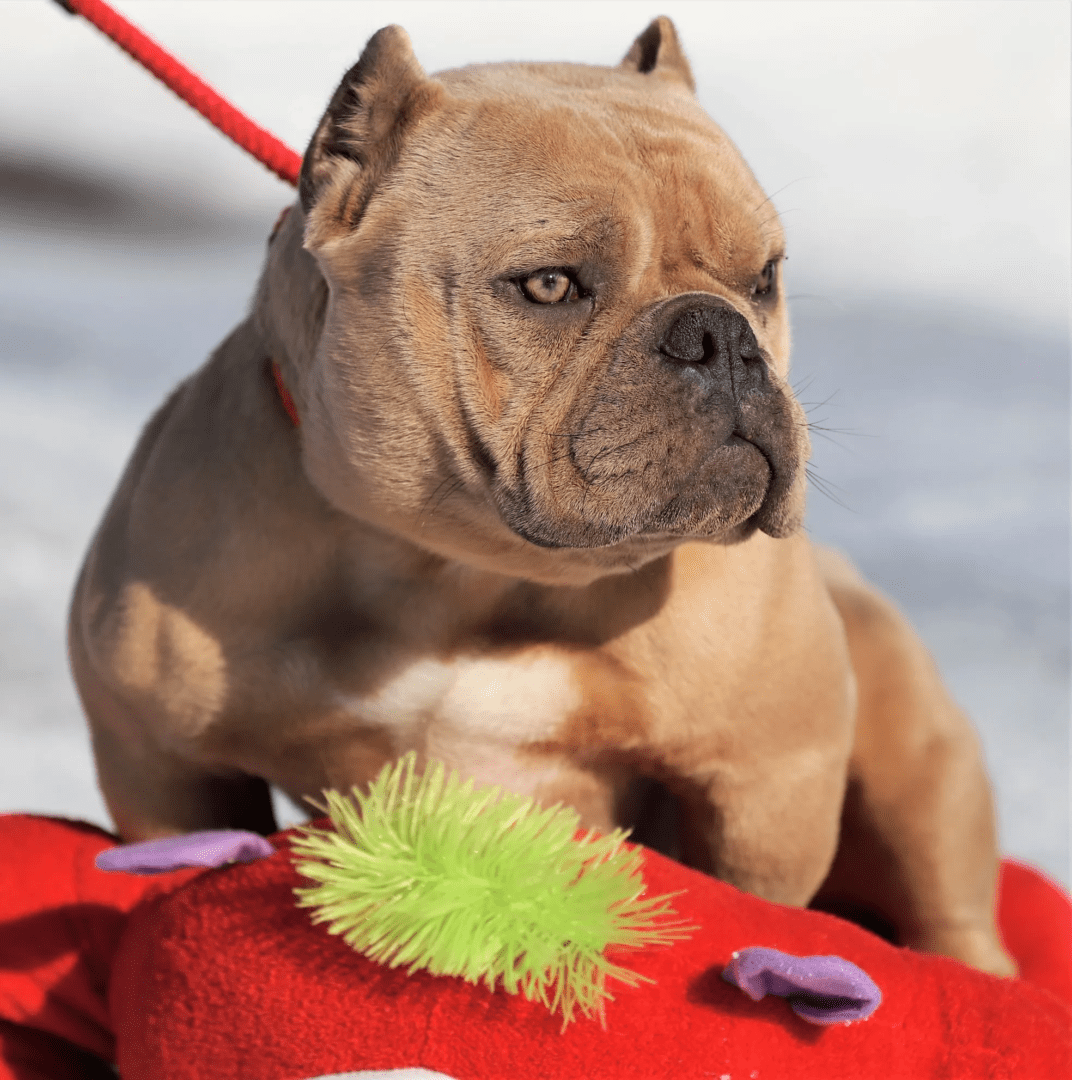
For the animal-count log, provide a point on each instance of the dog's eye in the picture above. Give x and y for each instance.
(764, 284)
(550, 287)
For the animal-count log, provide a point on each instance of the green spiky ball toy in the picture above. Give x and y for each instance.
(426, 872)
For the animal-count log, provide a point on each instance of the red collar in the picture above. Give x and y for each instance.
(284, 395)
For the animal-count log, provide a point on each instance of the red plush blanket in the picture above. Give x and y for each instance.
(217, 974)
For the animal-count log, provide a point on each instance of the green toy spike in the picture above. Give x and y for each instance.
(425, 872)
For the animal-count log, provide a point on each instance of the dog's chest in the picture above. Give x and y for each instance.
(517, 699)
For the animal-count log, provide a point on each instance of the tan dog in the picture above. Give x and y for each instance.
(540, 518)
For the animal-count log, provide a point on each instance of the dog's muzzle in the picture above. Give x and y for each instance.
(685, 433)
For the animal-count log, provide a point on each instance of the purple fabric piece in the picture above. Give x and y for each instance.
(213, 847)
(820, 989)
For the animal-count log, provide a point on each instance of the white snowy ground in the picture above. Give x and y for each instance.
(926, 146)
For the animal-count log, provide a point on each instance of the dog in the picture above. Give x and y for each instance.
(503, 467)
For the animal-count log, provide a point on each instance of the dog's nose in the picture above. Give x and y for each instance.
(708, 333)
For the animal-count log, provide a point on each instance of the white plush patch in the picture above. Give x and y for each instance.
(390, 1074)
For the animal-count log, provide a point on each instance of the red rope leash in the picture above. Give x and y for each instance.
(217, 110)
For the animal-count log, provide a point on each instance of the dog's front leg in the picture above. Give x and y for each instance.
(152, 793)
(918, 839)
(769, 831)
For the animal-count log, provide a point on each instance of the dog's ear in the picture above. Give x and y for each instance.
(658, 52)
(360, 134)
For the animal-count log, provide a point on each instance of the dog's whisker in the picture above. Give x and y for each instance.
(584, 433)
(808, 406)
(814, 425)
(779, 214)
(429, 510)
(820, 433)
(775, 194)
(828, 489)
(554, 459)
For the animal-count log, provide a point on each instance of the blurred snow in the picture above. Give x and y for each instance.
(921, 151)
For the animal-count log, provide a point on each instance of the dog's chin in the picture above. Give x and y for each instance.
(697, 513)
(630, 542)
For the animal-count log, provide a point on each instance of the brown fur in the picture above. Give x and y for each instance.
(555, 545)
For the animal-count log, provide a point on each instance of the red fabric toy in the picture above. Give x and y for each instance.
(217, 974)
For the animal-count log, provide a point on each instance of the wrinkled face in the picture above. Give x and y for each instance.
(557, 332)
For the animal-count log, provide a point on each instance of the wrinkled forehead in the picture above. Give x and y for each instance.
(571, 150)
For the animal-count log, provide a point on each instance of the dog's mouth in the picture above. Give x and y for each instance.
(736, 504)
(726, 497)
(688, 435)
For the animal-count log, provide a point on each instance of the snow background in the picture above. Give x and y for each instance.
(920, 155)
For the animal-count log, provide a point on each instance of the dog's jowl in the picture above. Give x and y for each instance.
(504, 467)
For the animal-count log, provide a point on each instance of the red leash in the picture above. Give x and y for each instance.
(217, 110)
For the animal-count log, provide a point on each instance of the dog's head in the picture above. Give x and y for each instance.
(553, 339)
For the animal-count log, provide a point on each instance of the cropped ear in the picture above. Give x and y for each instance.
(360, 135)
(658, 52)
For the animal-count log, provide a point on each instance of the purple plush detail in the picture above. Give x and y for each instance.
(820, 989)
(213, 847)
